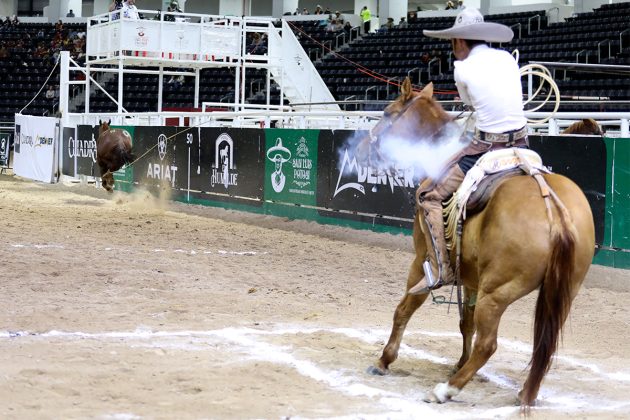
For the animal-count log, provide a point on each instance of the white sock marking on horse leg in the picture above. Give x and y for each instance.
(444, 392)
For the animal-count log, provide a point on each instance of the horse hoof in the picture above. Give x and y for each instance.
(376, 371)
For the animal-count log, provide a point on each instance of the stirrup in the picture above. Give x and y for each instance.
(431, 282)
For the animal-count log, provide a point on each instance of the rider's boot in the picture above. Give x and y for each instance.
(437, 268)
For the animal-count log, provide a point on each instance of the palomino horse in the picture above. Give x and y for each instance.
(509, 249)
(113, 150)
(586, 126)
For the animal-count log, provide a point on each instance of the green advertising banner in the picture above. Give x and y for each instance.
(291, 166)
(124, 176)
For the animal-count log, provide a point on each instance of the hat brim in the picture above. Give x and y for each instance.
(483, 31)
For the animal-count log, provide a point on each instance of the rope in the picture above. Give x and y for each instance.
(361, 68)
(167, 139)
(41, 88)
(545, 76)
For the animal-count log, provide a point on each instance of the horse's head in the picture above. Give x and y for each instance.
(414, 118)
(587, 126)
(103, 126)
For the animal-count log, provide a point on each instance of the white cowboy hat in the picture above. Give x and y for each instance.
(279, 152)
(469, 24)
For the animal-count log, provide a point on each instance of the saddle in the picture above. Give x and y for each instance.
(490, 171)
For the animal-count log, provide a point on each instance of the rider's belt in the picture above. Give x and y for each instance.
(509, 137)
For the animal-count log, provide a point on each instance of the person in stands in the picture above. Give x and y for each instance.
(366, 18)
(129, 10)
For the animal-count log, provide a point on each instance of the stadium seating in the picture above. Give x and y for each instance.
(368, 67)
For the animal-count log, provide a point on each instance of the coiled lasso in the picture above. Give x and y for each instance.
(545, 77)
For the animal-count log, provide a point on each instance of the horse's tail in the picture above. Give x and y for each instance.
(554, 301)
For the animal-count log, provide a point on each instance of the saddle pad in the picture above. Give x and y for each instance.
(495, 162)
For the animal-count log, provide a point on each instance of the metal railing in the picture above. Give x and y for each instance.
(621, 38)
(518, 26)
(327, 42)
(577, 56)
(415, 70)
(349, 98)
(393, 79)
(529, 24)
(316, 51)
(369, 89)
(356, 30)
(430, 66)
(599, 50)
(342, 35)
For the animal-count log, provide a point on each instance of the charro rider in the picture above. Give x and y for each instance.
(488, 80)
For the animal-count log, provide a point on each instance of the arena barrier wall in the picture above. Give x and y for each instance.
(6, 141)
(35, 146)
(313, 175)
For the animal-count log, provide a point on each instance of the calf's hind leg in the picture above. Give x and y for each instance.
(403, 313)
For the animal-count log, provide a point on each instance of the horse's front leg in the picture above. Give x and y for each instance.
(467, 326)
(403, 313)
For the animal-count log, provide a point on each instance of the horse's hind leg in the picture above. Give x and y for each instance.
(403, 313)
(488, 313)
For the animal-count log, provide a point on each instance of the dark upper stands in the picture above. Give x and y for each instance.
(360, 70)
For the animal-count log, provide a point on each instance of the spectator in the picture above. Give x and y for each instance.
(327, 11)
(366, 17)
(297, 11)
(460, 4)
(347, 27)
(70, 13)
(175, 6)
(305, 11)
(15, 21)
(412, 17)
(318, 10)
(116, 5)
(4, 51)
(403, 23)
(50, 93)
(339, 17)
(176, 81)
(333, 26)
(450, 5)
(129, 10)
(167, 17)
(389, 24)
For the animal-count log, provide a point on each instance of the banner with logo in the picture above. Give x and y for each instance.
(6, 138)
(385, 197)
(80, 152)
(291, 166)
(234, 164)
(35, 144)
(161, 161)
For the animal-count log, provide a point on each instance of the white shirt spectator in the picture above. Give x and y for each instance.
(494, 91)
(129, 10)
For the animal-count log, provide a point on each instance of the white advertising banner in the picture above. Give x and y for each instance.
(35, 144)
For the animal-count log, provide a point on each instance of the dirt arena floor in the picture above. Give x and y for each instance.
(129, 307)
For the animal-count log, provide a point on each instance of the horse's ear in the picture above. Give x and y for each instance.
(109, 122)
(406, 90)
(427, 91)
(100, 123)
